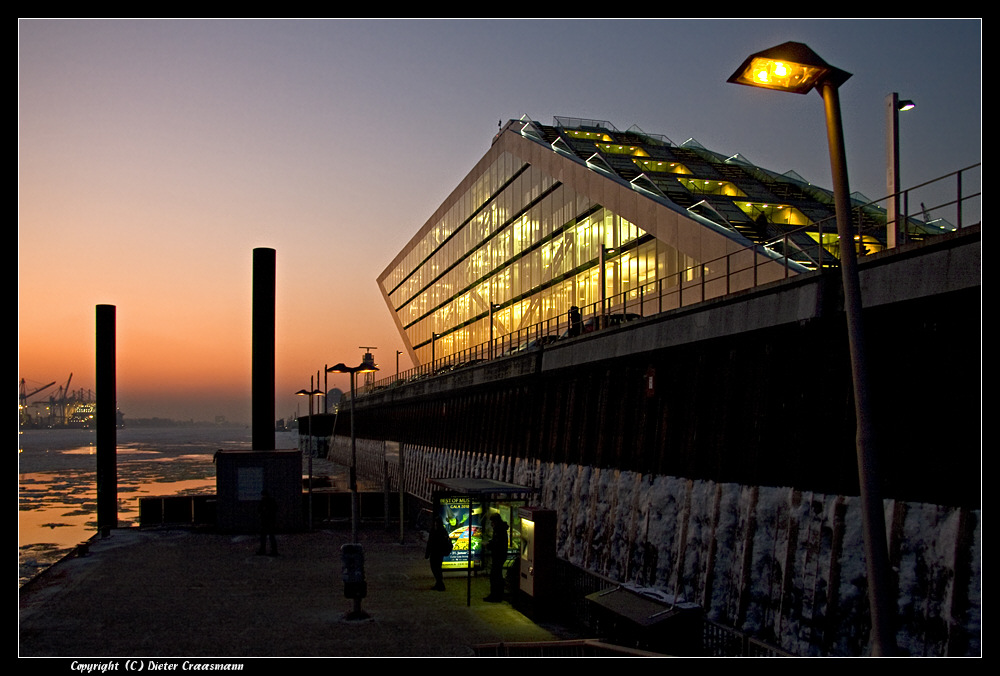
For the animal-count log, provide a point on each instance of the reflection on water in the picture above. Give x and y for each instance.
(57, 498)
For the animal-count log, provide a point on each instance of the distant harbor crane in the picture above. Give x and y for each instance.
(23, 396)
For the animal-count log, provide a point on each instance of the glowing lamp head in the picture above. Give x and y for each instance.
(363, 367)
(790, 67)
(782, 75)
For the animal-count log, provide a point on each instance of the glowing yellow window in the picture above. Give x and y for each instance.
(589, 135)
(662, 166)
(622, 149)
(707, 187)
(781, 214)
(863, 244)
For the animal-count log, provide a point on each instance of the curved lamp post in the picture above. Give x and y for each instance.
(794, 67)
(366, 366)
(310, 393)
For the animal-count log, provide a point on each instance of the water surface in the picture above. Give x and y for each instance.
(57, 498)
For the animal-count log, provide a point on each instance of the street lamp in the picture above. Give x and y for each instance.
(366, 366)
(310, 393)
(794, 67)
(893, 106)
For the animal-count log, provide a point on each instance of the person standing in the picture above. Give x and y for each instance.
(438, 547)
(497, 548)
(575, 321)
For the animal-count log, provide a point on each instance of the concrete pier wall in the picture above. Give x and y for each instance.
(781, 564)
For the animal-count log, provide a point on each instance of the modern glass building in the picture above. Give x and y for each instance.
(581, 217)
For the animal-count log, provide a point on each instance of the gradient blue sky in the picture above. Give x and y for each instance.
(153, 156)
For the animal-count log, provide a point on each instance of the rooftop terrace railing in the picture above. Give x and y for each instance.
(814, 246)
(953, 206)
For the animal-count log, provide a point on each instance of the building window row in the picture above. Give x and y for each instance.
(537, 285)
(481, 192)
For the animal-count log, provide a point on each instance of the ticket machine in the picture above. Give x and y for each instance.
(538, 556)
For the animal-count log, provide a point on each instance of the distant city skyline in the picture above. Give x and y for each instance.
(153, 156)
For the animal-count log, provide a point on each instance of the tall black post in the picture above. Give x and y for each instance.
(107, 420)
(263, 350)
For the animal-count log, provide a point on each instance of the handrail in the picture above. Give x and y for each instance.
(712, 279)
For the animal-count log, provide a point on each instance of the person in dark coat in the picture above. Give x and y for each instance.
(268, 510)
(575, 321)
(497, 548)
(438, 547)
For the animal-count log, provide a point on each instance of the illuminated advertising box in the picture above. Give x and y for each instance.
(466, 507)
(461, 517)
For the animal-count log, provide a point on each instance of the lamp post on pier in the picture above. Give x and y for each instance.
(893, 106)
(367, 365)
(311, 392)
(794, 67)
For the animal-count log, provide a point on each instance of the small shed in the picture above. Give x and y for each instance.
(241, 477)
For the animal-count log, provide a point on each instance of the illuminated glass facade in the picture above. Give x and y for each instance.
(527, 230)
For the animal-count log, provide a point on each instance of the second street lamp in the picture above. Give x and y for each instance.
(893, 106)
(310, 393)
(366, 366)
(794, 67)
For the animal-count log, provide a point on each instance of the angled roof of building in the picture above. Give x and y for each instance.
(578, 213)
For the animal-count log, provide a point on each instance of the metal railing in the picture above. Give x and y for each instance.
(946, 202)
(721, 641)
(807, 248)
(736, 271)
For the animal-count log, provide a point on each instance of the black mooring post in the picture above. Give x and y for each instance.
(263, 350)
(107, 421)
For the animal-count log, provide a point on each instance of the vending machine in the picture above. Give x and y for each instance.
(538, 556)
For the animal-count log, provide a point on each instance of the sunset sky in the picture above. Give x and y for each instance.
(154, 156)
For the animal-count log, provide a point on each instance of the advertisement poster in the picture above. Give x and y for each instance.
(462, 523)
(467, 528)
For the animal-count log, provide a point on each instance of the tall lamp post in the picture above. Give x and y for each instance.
(326, 390)
(794, 67)
(310, 393)
(893, 106)
(366, 366)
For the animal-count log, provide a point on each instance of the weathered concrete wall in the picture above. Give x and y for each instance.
(778, 563)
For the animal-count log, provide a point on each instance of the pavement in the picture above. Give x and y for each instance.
(192, 593)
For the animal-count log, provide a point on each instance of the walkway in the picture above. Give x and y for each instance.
(181, 593)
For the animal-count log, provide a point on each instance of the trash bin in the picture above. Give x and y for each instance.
(353, 571)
